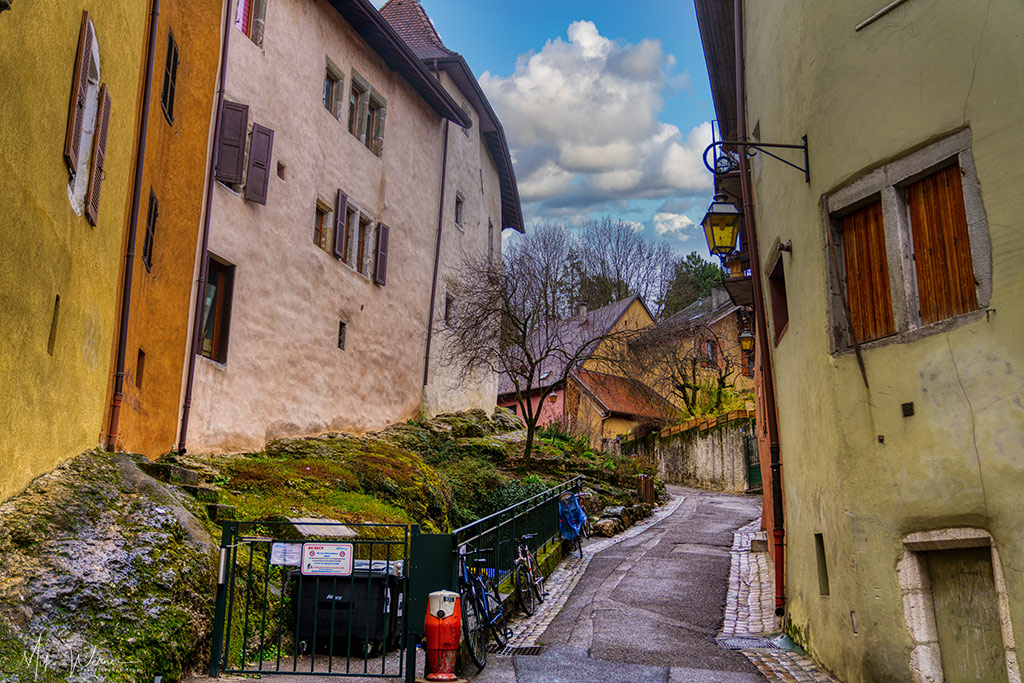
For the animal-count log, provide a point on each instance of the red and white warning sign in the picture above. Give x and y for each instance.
(327, 559)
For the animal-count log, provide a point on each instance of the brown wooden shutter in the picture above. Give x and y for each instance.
(942, 249)
(867, 273)
(99, 153)
(257, 175)
(234, 121)
(380, 271)
(340, 213)
(79, 90)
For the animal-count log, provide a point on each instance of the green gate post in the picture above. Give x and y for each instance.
(410, 635)
(227, 537)
(432, 557)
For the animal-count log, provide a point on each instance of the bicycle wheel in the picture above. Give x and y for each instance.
(473, 629)
(586, 528)
(538, 578)
(496, 611)
(579, 545)
(524, 591)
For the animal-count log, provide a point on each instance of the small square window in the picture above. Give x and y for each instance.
(140, 366)
(449, 309)
(460, 209)
(342, 328)
(220, 281)
(780, 306)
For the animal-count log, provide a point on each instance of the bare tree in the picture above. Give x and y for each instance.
(516, 320)
(624, 262)
(689, 361)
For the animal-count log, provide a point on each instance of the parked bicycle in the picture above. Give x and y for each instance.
(527, 576)
(482, 611)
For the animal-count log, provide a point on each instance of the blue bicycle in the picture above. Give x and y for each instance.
(482, 610)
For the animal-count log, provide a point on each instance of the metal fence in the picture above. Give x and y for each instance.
(318, 599)
(498, 532)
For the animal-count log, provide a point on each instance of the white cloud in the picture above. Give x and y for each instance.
(674, 224)
(582, 120)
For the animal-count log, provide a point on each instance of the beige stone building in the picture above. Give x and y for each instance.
(894, 310)
(324, 226)
(480, 200)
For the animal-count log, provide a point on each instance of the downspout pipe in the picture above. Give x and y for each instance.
(437, 257)
(761, 323)
(133, 224)
(197, 321)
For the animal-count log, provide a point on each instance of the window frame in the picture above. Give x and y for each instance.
(218, 351)
(366, 114)
(323, 226)
(890, 181)
(334, 77)
(171, 62)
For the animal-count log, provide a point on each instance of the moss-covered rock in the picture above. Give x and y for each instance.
(106, 576)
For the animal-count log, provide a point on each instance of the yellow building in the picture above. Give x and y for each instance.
(170, 216)
(69, 94)
(895, 305)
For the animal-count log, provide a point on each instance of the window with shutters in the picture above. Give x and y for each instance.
(220, 280)
(85, 141)
(323, 220)
(910, 251)
(367, 109)
(250, 17)
(170, 78)
(147, 245)
(257, 172)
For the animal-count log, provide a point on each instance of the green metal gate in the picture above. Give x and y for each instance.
(753, 463)
(314, 598)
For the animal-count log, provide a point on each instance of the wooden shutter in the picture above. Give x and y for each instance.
(234, 121)
(340, 212)
(79, 90)
(257, 175)
(380, 271)
(867, 273)
(942, 249)
(99, 153)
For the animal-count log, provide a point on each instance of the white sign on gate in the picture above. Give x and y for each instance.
(327, 559)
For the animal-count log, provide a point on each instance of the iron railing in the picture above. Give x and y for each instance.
(498, 532)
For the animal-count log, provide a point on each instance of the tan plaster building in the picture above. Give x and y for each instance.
(902, 475)
(324, 226)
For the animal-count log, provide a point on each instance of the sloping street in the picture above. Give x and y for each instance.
(647, 608)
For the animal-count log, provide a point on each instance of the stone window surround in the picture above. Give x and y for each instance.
(323, 207)
(335, 74)
(368, 94)
(888, 183)
(919, 608)
(352, 254)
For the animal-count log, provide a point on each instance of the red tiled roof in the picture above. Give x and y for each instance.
(622, 396)
(412, 23)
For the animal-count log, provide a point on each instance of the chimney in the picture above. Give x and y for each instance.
(719, 297)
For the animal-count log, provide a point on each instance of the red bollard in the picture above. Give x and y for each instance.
(443, 629)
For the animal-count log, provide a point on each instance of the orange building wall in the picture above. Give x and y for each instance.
(175, 168)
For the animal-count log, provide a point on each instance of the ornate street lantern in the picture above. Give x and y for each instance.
(721, 226)
(746, 341)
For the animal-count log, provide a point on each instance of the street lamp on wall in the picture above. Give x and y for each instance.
(746, 341)
(721, 226)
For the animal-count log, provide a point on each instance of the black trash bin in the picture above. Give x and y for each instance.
(365, 609)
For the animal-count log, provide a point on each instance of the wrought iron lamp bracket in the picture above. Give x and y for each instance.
(727, 162)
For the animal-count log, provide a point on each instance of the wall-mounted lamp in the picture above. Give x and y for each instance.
(786, 246)
(721, 226)
(746, 341)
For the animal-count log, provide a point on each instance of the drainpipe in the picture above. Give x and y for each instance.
(133, 224)
(437, 257)
(197, 322)
(761, 324)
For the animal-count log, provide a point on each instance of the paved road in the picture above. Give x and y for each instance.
(648, 608)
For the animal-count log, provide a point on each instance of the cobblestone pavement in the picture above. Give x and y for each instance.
(750, 611)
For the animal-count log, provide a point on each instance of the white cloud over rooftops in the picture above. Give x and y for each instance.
(581, 118)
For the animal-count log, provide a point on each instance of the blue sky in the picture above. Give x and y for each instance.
(605, 103)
